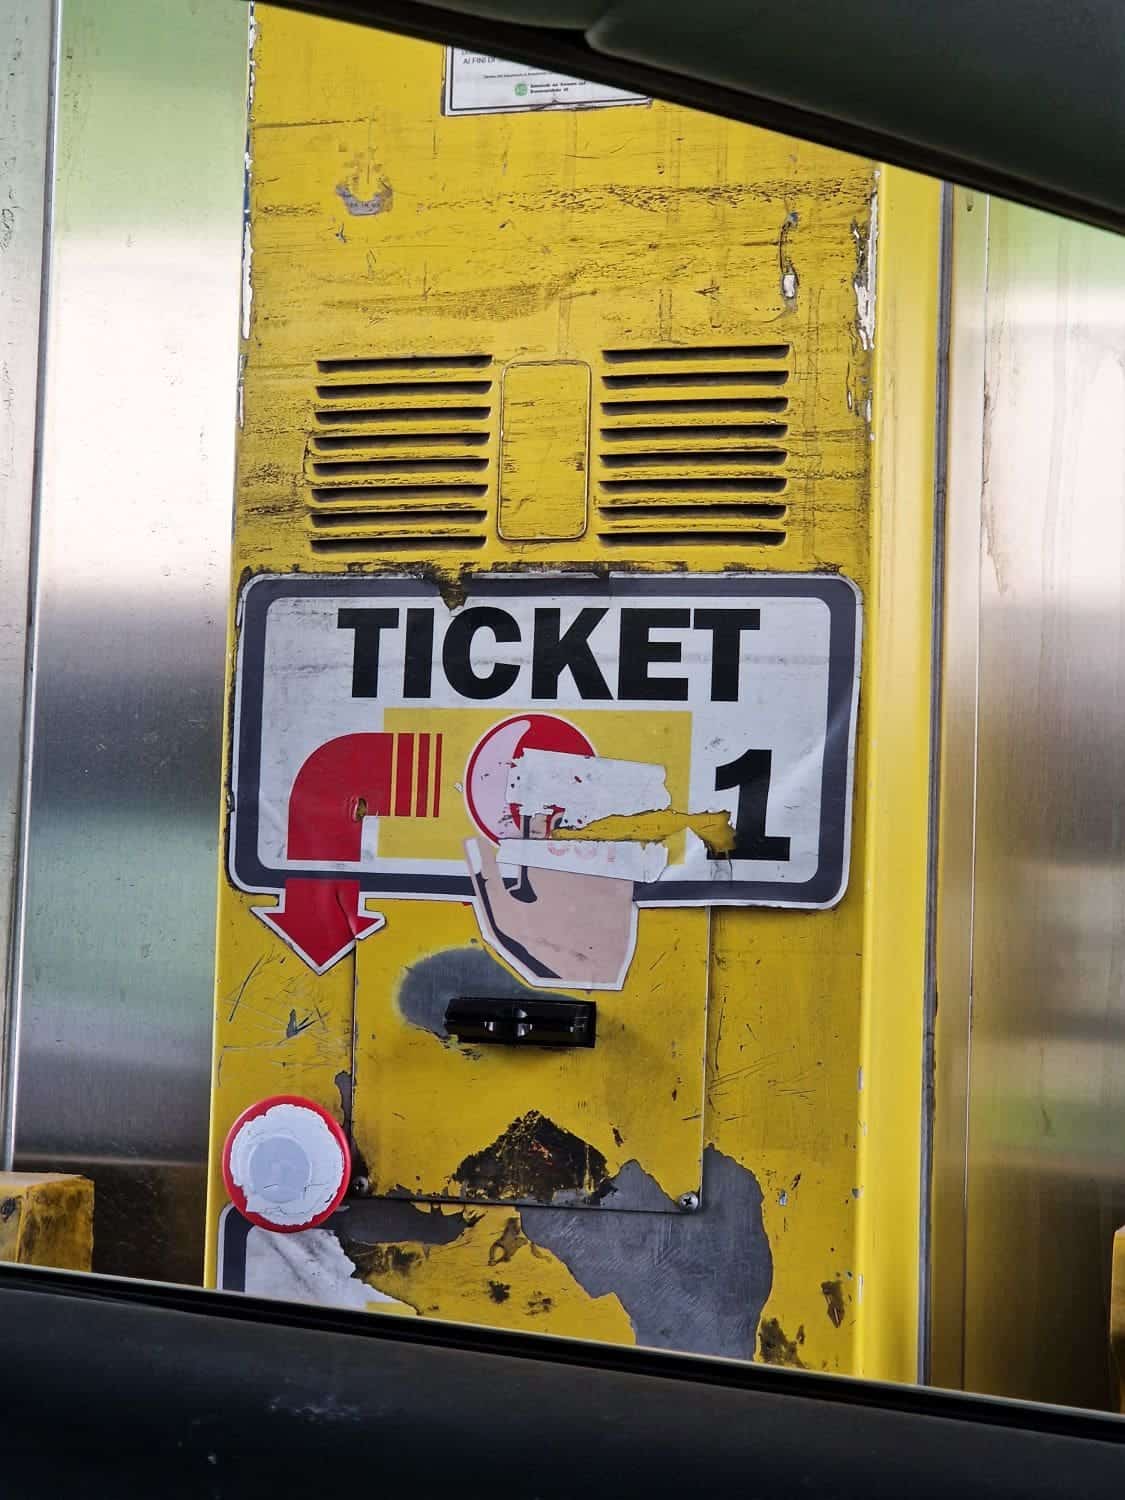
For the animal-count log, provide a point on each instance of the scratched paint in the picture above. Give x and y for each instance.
(863, 283)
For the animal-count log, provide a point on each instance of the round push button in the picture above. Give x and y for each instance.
(286, 1164)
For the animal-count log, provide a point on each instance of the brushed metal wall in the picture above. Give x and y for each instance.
(1037, 571)
(27, 68)
(135, 501)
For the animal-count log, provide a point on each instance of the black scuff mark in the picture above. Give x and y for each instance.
(293, 1027)
(833, 1293)
(343, 1082)
(510, 1240)
(344, 1087)
(372, 1261)
(499, 1291)
(534, 1159)
(429, 985)
(776, 1348)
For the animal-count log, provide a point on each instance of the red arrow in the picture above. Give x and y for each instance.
(321, 920)
(341, 783)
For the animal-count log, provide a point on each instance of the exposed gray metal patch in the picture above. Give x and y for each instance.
(378, 203)
(429, 985)
(393, 1221)
(694, 1282)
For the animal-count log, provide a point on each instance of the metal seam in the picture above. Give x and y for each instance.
(973, 829)
(929, 1001)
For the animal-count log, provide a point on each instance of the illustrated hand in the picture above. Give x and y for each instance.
(555, 927)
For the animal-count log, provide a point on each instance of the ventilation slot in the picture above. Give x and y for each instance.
(401, 458)
(676, 536)
(691, 446)
(421, 363)
(705, 409)
(718, 354)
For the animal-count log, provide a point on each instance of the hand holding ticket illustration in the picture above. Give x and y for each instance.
(559, 910)
(553, 926)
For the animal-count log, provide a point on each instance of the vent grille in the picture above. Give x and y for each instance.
(401, 455)
(691, 445)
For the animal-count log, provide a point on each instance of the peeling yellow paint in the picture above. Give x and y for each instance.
(527, 1287)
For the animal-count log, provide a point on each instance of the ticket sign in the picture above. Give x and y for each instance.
(692, 735)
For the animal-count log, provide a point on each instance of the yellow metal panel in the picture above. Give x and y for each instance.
(493, 1274)
(47, 1219)
(718, 282)
(896, 830)
(595, 236)
(421, 1108)
(544, 437)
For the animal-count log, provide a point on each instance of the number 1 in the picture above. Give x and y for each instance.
(750, 773)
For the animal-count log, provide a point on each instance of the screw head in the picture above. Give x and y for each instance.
(689, 1203)
(360, 1187)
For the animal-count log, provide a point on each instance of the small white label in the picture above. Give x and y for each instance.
(476, 84)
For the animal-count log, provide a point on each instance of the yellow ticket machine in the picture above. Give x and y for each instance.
(571, 916)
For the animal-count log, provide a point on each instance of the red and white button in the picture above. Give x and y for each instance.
(286, 1164)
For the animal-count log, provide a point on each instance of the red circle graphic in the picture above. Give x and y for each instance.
(486, 775)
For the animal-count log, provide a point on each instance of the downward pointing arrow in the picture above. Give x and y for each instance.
(320, 920)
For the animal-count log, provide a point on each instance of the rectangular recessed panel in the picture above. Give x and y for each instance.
(544, 436)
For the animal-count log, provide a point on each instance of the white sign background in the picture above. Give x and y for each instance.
(304, 699)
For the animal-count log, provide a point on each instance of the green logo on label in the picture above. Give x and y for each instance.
(521, 90)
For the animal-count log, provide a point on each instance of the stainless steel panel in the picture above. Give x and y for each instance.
(27, 68)
(957, 786)
(1046, 1164)
(136, 497)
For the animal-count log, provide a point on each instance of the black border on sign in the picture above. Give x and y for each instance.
(824, 888)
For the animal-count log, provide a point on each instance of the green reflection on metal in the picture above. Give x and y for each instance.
(148, 89)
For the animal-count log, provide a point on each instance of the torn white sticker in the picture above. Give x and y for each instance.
(616, 860)
(580, 789)
(310, 1266)
(288, 1164)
